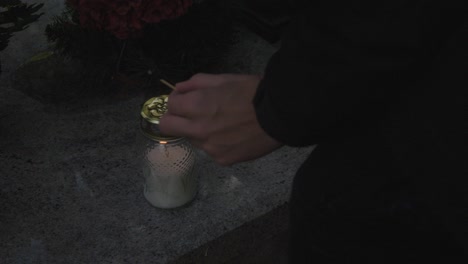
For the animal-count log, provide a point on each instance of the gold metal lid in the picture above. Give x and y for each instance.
(154, 108)
(151, 112)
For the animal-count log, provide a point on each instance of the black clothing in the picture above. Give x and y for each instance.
(379, 86)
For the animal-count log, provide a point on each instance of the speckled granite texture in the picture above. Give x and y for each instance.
(71, 186)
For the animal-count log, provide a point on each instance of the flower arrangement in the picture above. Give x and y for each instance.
(126, 19)
(131, 44)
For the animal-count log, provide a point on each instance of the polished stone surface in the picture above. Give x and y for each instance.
(71, 187)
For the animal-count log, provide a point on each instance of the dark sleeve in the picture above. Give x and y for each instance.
(340, 61)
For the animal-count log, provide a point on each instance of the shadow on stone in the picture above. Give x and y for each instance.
(263, 240)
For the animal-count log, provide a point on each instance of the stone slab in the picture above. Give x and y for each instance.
(71, 188)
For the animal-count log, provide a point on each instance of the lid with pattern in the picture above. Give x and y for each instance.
(151, 113)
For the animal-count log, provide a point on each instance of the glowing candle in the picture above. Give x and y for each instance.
(170, 176)
(169, 163)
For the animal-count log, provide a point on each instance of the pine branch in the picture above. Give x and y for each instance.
(15, 17)
(7, 3)
(19, 15)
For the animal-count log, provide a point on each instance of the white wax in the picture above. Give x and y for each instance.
(168, 183)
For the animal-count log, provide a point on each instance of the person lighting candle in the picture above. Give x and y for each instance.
(379, 87)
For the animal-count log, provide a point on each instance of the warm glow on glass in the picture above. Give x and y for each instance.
(163, 142)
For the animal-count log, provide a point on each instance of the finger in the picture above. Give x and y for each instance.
(183, 104)
(176, 126)
(198, 81)
(183, 87)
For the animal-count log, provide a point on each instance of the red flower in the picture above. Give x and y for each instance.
(127, 18)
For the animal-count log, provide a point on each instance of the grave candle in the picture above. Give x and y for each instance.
(169, 163)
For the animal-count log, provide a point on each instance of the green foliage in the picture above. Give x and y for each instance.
(15, 16)
(72, 40)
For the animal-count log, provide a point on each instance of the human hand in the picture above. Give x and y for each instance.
(216, 113)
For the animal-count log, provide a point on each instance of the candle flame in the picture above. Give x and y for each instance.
(163, 142)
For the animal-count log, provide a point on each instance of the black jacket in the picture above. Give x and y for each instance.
(380, 87)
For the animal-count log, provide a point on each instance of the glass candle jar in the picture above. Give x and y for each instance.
(169, 163)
